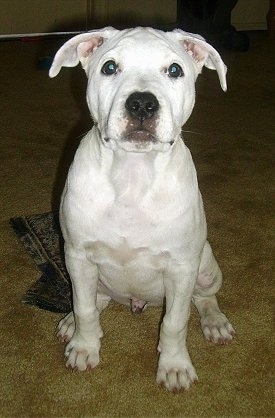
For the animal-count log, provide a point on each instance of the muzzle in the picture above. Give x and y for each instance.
(142, 109)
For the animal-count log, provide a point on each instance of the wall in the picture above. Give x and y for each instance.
(247, 14)
(138, 12)
(29, 16)
(250, 14)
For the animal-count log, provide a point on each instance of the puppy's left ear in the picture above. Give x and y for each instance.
(202, 53)
(79, 48)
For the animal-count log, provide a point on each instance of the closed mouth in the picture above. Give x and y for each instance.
(141, 135)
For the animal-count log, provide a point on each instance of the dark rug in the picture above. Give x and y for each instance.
(42, 238)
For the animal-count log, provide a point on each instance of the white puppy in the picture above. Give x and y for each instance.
(131, 212)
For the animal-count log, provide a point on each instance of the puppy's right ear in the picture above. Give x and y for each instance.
(78, 48)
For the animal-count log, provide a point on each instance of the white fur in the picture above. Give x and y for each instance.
(131, 212)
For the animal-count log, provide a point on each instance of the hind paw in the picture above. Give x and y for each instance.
(66, 328)
(217, 328)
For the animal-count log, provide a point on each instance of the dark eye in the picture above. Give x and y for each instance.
(109, 68)
(175, 70)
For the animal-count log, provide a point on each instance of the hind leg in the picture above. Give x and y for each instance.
(215, 325)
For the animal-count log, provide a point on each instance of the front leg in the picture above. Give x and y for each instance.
(82, 351)
(175, 369)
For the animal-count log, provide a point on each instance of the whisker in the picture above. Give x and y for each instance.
(191, 132)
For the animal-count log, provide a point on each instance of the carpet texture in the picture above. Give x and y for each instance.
(231, 137)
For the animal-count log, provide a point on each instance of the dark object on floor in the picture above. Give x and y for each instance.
(233, 40)
(44, 63)
(212, 19)
(42, 238)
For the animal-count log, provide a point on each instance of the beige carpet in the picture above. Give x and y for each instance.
(42, 121)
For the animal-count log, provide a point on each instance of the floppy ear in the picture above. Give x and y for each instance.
(78, 48)
(202, 53)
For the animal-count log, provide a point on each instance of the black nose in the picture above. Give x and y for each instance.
(142, 105)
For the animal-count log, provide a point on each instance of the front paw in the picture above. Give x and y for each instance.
(176, 373)
(82, 355)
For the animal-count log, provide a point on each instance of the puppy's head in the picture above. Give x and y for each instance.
(141, 82)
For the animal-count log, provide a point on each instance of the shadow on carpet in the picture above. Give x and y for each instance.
(42, 238)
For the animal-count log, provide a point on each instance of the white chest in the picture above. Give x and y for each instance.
(133, 208)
